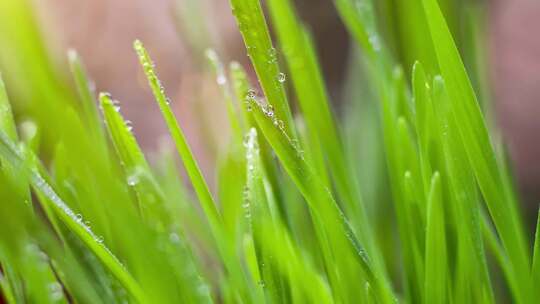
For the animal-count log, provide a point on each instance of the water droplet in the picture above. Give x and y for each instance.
(272, 55)
(281, 77)
(79, 217)
(132, 180)
(99, 239)
(375, 42)
(246, 141)
(129, 125)
(281, 125)
(221, 79)
(269, 110)
(251, 94)
(56, 291)
(174, 238)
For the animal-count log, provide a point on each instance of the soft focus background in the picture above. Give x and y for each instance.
(177, 32)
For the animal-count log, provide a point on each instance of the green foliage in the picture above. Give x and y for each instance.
(86, 218)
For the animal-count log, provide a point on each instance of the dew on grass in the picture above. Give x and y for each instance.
(56, 292)
(375, 42)
(129, 125)
(281, 77)
(272, 55)
(174, 238)
(133, 180)
(251, 94)
(269, 110)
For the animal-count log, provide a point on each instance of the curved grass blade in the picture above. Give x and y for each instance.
(214, 217)
(244, 95)
(333, 229)
(195, 175)
(138, 174)
(86, 95)
(477, 143)
(68, 217)
(309, 86)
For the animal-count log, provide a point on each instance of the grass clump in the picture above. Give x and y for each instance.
(87, 219)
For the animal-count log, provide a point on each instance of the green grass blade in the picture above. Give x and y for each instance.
(86, 95)
(436, 254)
(478, 146)
(125, 143)
(313, 99)
(472, 275)
(258, 214)
(199, 184)
(68, 217)
(358, 16)
(252, 25)
(7, 124)
(137, 171)
(337, 230)
(223, 83)
(215, 220)
(307, 285)
(536, 259)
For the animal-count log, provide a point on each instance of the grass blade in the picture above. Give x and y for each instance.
(478, 146)
(263, 55)
(68, 217)
(536, 259)
(337, 231)
(199, 184)
(436, 267)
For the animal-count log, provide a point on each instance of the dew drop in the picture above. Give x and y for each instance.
(375, 42)
(281, 77)
(246, 141)
(281, 125)
(129, 125)
(56, 292)
(269, 110)
(221, 79)
(174, 238)
(132, 180)
(251, 94)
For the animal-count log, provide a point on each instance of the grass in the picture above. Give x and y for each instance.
(405, 198)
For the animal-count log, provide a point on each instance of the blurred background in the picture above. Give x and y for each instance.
(176, 33)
